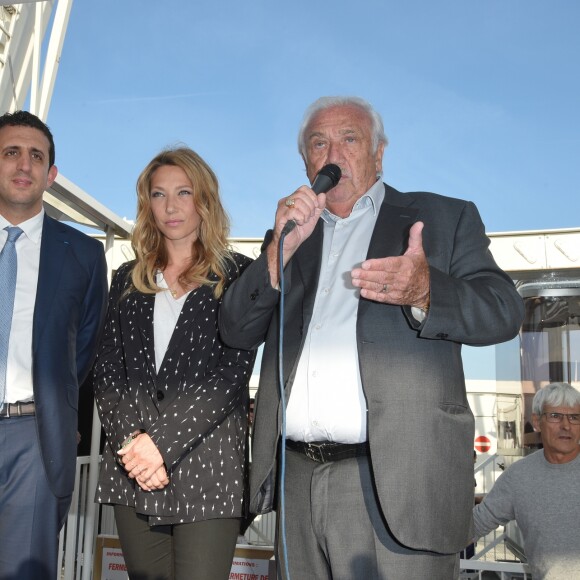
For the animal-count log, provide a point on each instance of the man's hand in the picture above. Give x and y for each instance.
(304, 207)
(142, 460)
(402, 280)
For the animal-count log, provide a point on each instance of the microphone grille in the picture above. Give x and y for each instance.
(331, 171)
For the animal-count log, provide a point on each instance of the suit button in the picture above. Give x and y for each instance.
(160, 395)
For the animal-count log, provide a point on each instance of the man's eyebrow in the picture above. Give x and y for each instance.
(19, 147)
(348, 131)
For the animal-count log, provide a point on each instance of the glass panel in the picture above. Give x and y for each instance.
(550, 339)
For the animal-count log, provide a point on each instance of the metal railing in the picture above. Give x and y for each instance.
(491, 553)
(72, 537)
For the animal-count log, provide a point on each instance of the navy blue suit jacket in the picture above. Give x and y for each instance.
(68, 315)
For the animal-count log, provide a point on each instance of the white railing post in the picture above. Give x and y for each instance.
(89, 539)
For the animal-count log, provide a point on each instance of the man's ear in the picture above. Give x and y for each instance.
(536, 422)
(52, 173)
(379, 158)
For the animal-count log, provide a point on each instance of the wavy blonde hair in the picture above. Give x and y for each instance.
(210, 250)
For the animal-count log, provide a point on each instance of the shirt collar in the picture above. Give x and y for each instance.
(373, 197)
(32, 227)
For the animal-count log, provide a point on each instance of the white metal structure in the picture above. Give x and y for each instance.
(527, 254)
(28, 73)
(22, 33)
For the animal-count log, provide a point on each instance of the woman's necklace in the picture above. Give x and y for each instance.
(173, 291)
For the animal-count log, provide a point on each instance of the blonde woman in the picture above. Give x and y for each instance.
(172, 398)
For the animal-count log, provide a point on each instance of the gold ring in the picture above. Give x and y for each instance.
(289, 202)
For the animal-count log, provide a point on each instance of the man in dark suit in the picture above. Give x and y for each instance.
(57, 302)
(380, 290)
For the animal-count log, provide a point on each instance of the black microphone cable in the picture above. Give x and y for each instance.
(282, 504)
(327, 178)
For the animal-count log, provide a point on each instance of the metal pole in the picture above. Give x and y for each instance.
(89, 540)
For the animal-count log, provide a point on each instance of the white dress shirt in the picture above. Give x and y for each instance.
(19, 366)
(327, 401)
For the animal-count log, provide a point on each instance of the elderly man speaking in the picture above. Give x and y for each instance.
(542, 491)
(380, 290)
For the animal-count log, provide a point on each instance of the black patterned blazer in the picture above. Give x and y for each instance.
(195, 408)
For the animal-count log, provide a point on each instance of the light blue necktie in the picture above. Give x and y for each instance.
(8, 266)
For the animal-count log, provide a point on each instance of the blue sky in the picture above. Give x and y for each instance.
(480, 98)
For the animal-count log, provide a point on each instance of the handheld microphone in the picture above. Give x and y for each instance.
(325, 180)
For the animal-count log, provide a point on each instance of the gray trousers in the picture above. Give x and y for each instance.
(335, 529)
(30, 514)
(192, 551)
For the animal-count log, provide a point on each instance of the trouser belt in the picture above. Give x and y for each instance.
(18, 409)
(324, 451)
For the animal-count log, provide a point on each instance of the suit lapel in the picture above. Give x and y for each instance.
(144, 313)
(390, 236)
(54, 249)
(391, 233)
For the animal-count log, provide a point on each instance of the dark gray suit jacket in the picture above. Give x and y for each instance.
(420, 427)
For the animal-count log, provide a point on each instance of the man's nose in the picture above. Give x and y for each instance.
(24, 163)
(334, 154)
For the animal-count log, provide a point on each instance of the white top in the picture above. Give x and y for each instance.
(327, 401)
(165, 314)
(19, 364)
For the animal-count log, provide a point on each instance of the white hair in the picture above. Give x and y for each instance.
(555, 395)
(323, 103)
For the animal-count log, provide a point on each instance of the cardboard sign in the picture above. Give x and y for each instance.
(250, 562)
(109, 562)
